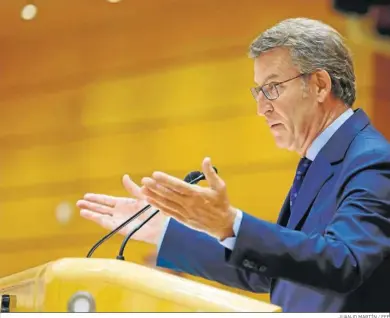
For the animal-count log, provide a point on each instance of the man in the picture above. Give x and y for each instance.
(330, 248)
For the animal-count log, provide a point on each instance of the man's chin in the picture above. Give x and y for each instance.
(282, 143)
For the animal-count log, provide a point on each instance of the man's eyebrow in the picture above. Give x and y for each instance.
(272, 76)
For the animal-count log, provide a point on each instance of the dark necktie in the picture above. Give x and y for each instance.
(303, 166)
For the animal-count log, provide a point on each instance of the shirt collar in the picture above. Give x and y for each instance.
(324, 137)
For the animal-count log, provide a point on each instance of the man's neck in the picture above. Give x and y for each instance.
(319, 124)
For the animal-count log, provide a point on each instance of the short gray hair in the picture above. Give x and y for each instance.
(313, 45)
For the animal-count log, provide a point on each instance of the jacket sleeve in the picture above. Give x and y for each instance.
(355, 243)
(186, 250)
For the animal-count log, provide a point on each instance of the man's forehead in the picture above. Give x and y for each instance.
(271, 65)
(268, 78)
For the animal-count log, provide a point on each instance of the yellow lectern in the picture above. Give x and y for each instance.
(109, 285)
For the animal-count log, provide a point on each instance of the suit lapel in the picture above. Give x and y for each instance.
(321, 169)
(285, 211)
(319, 172)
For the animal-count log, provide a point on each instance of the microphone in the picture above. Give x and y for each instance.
(192, 177)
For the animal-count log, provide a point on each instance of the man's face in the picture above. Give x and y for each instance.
(289, 116)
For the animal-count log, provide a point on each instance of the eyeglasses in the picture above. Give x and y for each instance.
(270, 90)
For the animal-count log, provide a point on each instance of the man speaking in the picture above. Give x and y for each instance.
(330, 248)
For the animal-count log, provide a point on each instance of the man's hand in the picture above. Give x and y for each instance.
(109, 212)
(205, 209)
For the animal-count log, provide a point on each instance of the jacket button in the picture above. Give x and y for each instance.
(262, 268)
(246, 263)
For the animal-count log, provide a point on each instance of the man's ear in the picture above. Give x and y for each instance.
(323, 84)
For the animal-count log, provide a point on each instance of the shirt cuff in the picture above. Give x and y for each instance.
(230, 242)
(163, 234)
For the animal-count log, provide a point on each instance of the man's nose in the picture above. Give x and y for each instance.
(263, 104)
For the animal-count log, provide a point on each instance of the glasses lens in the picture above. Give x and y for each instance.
(270, 91)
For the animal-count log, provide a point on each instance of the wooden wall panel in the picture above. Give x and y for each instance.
(381, 93)
(93, 142)
(135, 38)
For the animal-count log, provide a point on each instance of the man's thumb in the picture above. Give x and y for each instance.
(132, 187)
(212, 177)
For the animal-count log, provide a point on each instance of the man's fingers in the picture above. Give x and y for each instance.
(100, 199)
(94, 207)
(161, 190)
(104, 220)
(173, 183)
(132, 187)
(166, 208)
(214, 181)
(172, 212)
(162, 202)
(90, 215)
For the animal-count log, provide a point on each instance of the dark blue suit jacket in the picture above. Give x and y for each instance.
(332, 255)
